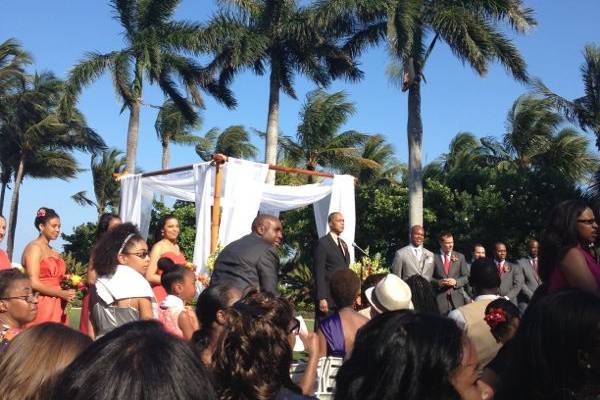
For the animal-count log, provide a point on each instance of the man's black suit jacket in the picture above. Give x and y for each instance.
(328, 258)
(248, 262)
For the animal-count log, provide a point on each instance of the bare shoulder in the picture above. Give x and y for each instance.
(573, 256)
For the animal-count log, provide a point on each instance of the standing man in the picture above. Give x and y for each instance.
(414, 259)
(529, 267)
(331, 254)
(478, 252)
(450, 273)
(252, 260)
(511, 275)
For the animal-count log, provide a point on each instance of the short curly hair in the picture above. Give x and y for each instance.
(344, 286)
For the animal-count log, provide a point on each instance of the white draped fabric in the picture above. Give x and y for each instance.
(204, 177)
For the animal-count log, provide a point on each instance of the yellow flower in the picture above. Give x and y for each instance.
(75, 280)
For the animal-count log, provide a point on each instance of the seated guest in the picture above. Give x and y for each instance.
(422, 295)
(485, 282)
(211, 311)
(122, 294)
(556, 351)
(252, 261)
(180, 285)
(369, 282)
(410, 356)
(254, 356)
(337, 332)
(36, 357)
(390, 294)
(18, 304)
(138, 360)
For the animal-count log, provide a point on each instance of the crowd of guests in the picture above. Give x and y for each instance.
(435, 327)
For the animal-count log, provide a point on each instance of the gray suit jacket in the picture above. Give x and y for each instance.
(248, 262)
(531, 279)
(406, 264)
(511, 281)
(450, 298)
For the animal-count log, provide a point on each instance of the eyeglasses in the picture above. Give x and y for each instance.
(294, 326)
(141, 254)
(590, 221)
(30, 298)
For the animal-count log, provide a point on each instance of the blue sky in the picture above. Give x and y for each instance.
(57, 33)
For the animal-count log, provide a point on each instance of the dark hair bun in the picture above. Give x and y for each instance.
(43, 215)
(166, 265)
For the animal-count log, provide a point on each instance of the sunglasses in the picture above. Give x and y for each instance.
(30, 298)
(141, 254)
(294, 326)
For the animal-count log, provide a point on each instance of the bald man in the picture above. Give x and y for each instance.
(251, 261)
(414, 259)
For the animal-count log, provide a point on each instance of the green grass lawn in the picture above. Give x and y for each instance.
(74, 316)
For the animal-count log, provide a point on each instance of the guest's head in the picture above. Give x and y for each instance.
(390, 294)
(344, 286)
(34, 359)
(369, 282)
(269, 228)
(405, 355)
(571, 222)
(533, 248)
(254, 355)
(336, 222)
(446, 242)
(121, 245)
(167, 227)
(484, 277)
(417, 235)
(106, 222)
(500, 251)
(139, 360)
(2, 227)
(423, 297)
(18, 301)
(47, 222)
(177, 279)
(503, 318)
(557, 352)
(478, 251)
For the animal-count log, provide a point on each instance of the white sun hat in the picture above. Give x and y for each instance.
(390, 294)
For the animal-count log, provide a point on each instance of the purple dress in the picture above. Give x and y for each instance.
(334, 335)
(558, 280)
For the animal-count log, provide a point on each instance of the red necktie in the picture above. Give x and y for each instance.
(500, 267)
(446, 263)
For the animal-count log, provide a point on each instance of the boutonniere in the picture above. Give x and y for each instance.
(453, 258)
(506, 267)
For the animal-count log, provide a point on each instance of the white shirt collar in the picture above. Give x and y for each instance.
(487, 297)
(334, 237)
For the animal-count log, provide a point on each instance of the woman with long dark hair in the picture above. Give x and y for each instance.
(566, 258)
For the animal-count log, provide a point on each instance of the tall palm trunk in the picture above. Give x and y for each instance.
(415, 142)
(272, 121)
(132, 134)
(14, 209)
(165, 152)
(2, 194)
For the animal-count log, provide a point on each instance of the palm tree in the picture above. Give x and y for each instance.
(318, 142)
(471, 28)
(287, 38)
(106, 188)
(376, 149)
(40, 143)
(155, 52)
(172, 127)
(234, 141)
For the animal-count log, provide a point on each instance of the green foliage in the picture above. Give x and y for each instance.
(185, 212)
(79, 243)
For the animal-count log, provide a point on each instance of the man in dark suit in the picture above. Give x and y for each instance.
(252, 260)
(331, 254)
(511, 275)
(450, 273)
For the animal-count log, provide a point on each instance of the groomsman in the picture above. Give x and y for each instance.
(450, 273)
(529, 266)
(511, 275)
(414, 259)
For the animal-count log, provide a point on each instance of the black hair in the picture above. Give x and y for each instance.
(138, 360)
(119, 240)
(559, 236)
(44, 215)
(370, 281)
(160, 226)
(477, 245)
(509, 310)
(7, 277)
(211, 300)
(103, 223)
(260, 220)
(402, 355)
(552, 334)
(484, 274)
(423, 297)
(344, 286)
(172, 273)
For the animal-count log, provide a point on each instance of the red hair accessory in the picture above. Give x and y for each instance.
(495, 316)
(41, 212)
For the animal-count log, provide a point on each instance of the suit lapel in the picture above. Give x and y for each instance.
(439, 264)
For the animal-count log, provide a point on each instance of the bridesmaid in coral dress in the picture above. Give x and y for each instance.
(46, 269)
(4, 261)
(165, 245)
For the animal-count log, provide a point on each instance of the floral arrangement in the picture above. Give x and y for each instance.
(41, 213)
(73, 281)
(368, 266)
(495, 317)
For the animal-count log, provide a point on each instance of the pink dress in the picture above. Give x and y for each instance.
(558, 280)
(159, 291)
(50, 308)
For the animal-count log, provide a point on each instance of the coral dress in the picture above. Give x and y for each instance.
(4, 261)
(50, 308)
(159, 291)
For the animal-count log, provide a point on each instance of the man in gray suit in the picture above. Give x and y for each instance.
(450, 273)
(529, 267)
(252, 260)
(414, 259)
(511, 275)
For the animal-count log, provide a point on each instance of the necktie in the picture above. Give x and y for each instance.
(341, 247)
(500, 267)
(446, 263)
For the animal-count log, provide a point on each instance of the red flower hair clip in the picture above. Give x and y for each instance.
(495, 316)
(41, 212)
